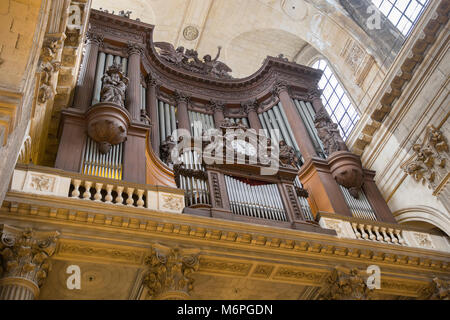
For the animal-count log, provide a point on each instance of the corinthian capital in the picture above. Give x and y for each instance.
(314, 94)
(135, 48)
(216, 105)
(345, 284)
(151, 80)
(181, 96)
(170, 272)
(278, 87)
(25, 253)
(94, 37)
(249, 106)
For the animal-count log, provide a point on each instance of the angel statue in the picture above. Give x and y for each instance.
(114, 85)
(169, 53)
(214, 67)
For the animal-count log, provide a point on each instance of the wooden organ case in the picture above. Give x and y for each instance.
(133, 94)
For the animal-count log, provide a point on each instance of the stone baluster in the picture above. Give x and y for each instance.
(363, 232)
(394, 239)
(369, 231)
(85, 88)
(87, 192)
(134, 74)
(379, 236)
(76, 188)
(152, 111)
(385, 236)
(140, 202)
(398, 233)
(25, 256)
(108, 197)
(98, 192)
(170, 273)
(130, 200)
(355, 229)
(119, 199)
(182, 100)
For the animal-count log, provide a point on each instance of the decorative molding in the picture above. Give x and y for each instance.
(216, 190)
(226, 267)
(345, 284)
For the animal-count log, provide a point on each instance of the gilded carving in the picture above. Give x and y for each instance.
(345, 284)
(25, 253)
(170, 270)
(94, 251)
(298, 274)
(225, 266)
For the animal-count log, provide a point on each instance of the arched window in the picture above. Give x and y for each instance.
(402, 13)
(335, 100)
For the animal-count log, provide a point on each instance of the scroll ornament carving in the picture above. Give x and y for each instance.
(170, 272)
(188, 60)
(48, 65)
(345, 285)
(42, 183)
(437, 290)
(114, 85)
(25, 253)
(328, 133)
(151, 80)
(216, 190)
(429, 160)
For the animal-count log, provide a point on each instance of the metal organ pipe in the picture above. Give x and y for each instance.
(167, 119)
(173, 125)
(162, 129)
(284, 119)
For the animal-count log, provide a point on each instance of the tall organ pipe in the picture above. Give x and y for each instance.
(100, 69)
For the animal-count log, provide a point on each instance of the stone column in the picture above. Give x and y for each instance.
(250, 109)
(25, 261)
(85, 88)
(152, 111)
(182, 100)
(217, 107)
(295, 121)
(170, 272)
(134, 75)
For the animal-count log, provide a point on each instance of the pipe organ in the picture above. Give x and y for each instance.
(255, 199)
(131, 89)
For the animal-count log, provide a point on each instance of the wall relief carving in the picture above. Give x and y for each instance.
(428, 165)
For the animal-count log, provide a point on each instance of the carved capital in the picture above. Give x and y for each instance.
(249, 106)
(25, 253)
(181, 97)
(344, 284)
(94, 37)
(152, 80)
(278, 87)
(314, 94)
(135, 48)
(216, 105)
(170, 272)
